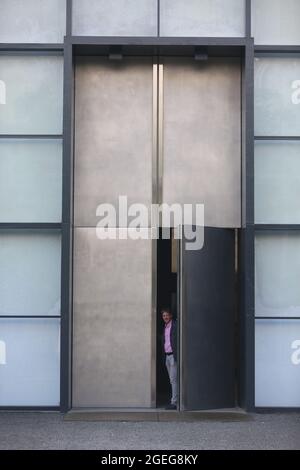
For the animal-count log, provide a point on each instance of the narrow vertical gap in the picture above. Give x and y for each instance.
(155, 132)
(237, 333)
(249, 128)
(160, 130)
(154, 241)
(154, 325)
(180, 335)
(242, 134)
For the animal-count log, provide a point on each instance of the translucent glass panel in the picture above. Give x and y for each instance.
(29, 362)
(29, 272)
(30, 21)
(115, 17)
(33, 94)
(277, 274)
(276, 22)
(30, 180)
(277, 363)
(277, 182)
(277, 96)
(202, 18)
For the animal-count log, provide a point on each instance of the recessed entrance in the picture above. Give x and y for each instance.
(167, 297)
(200, 288)
(158, 131)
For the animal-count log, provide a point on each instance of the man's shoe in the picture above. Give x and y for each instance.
(171, 407)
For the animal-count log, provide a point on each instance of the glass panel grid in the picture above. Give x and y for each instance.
(276, 22)
(30, 180)
(277, 182)
(277, 363)
(115, 17)
(31, 94)
(32, 21)
(30, 265)
(277, 95)
(277, 259)
(210, 18)
(29, 362)
(277, 274)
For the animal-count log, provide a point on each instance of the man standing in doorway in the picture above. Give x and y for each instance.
(169, 342)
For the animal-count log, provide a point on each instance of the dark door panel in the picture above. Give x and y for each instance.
(207, 336)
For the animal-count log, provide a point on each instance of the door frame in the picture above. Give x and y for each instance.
(242, 47)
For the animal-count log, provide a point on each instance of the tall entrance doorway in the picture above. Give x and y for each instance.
(156, 130)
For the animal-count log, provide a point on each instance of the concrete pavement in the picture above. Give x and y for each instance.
(50, 431)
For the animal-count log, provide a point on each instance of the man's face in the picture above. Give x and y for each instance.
(166, 316)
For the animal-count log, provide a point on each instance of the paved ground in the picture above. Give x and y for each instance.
(50, 431)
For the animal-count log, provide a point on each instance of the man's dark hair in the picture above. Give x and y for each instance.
(166, 310)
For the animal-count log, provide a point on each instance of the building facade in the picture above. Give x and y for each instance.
(163, 101)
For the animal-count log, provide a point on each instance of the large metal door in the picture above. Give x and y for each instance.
(207, 362)
(113, 362)
(200, 160)
(200, 163)
(155, 134)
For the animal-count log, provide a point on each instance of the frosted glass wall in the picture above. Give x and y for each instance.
(33, 101)
(31, 126)
(277, 196)
(277, 274)
(115, 17)
(276, 22)
(29, 272)
(175, 18)
(29, 362)
(202, 18)
(277, 96)
(32, 21)
(30, 180)
(277, 182)
(277, 372)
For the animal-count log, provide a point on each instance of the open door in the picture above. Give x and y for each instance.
(207, 305)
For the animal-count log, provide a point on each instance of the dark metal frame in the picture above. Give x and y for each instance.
(261, 137)
(243, 47)
(155, 41)
(277, 318)
(274, 227)
(67, 221)
(34, 47)
(177, 46)
(277, 49)
(246, 239)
